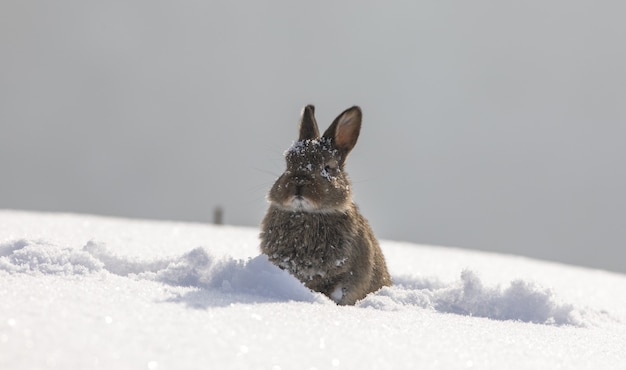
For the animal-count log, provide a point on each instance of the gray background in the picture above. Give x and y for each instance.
(487, 125)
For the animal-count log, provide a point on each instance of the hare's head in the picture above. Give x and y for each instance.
(314, 180)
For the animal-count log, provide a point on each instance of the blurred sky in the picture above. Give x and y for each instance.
(488, 125)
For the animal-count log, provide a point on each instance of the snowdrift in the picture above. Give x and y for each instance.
(257, 280)
(96, 292)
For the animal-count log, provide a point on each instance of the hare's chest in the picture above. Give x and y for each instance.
(309, 262)
(307, 252)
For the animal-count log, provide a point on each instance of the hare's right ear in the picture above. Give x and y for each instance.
(308, 125)
(345, 129)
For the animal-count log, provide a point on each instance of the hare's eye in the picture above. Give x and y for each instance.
(331, 165)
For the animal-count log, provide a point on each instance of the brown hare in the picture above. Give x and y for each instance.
(312, 228)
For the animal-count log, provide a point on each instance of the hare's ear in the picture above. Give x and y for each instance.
(308, 125)
(345, 129)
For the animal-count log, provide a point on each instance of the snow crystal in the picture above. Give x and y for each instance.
(299, 147)
(325, 174)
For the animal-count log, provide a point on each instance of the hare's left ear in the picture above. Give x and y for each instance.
(308, 125)
(345, 129)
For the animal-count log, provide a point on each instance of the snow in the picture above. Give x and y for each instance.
(92, 292)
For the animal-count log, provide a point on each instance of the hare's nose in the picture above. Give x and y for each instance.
(299, 190)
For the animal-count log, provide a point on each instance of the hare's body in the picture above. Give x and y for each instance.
(312, 228)
(332, 253)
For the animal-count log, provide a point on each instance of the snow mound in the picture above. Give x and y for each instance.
(198, 268)
(223, 281)
(226, 279)
(521, 301)
(32, 257)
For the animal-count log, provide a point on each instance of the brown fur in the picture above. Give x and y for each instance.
(312, 228)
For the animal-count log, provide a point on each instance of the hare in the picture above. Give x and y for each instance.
(312, 228)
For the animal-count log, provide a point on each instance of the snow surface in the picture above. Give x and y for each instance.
(87, 292)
